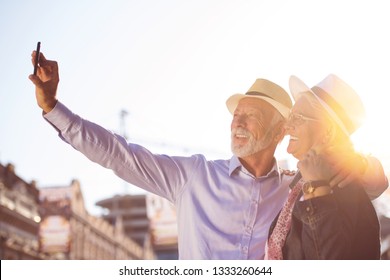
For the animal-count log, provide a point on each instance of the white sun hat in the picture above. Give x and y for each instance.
(338, 98)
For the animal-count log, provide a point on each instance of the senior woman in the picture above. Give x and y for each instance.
(318, 221)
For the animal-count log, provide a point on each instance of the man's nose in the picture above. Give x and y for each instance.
(238, 121)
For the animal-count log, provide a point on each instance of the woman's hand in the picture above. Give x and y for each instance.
(348, 165)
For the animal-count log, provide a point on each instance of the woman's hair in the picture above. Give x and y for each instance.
(337, 135)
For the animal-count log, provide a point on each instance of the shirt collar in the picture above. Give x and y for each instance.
(235, 164)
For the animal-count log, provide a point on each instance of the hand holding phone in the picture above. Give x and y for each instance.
(46, 81)
(37, 53)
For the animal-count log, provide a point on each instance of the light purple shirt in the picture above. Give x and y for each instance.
(223, 211)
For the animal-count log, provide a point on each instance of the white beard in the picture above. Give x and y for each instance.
(253, 146)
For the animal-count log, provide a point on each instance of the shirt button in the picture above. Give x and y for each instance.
(248, 229)
(245, 248)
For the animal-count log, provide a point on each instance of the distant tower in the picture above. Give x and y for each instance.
(122, 117)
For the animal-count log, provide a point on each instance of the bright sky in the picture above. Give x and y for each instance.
(172, 64)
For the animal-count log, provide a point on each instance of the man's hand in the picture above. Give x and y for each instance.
(314, 167)
(46, 82)
(347, 165)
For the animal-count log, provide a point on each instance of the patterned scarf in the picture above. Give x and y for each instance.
(275, 243)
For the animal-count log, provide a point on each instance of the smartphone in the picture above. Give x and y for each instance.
(37, 53)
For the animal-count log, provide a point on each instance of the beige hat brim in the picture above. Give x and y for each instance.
(298, 87)
(233, 100)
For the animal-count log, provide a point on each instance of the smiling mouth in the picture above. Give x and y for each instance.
(293, 138)
(241, 136)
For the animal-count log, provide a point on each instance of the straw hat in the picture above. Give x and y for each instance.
(337, 98)
(267, 91)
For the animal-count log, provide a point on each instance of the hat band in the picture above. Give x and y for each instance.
(336, 107)
(256, 93)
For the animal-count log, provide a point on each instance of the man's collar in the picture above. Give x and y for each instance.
(235, 164)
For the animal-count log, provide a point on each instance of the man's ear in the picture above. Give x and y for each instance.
(279, 131)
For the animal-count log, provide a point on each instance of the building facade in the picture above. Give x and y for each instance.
(80, 235)
(52, 223)
(146, 218)
(19, 217)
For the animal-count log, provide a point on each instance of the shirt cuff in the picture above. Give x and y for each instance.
(60, 116)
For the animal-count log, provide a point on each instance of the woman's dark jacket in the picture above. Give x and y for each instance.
(341, 225)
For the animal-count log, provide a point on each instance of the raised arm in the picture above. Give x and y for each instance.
(160, 174)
